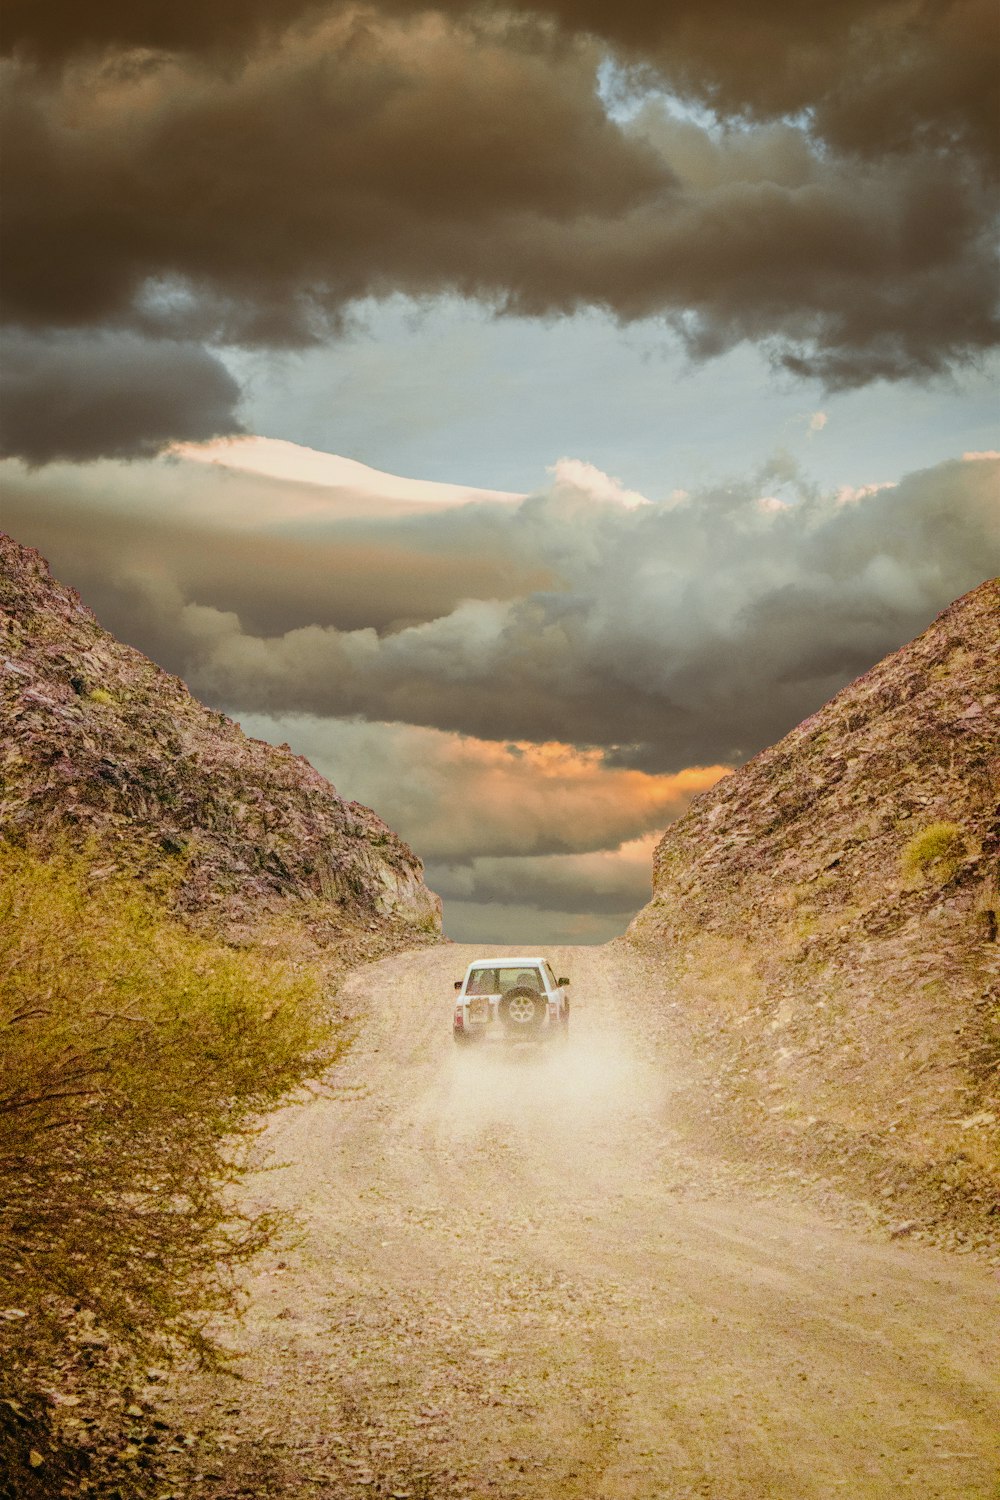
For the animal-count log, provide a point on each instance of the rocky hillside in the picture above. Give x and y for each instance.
(98, 742)
(826, 921)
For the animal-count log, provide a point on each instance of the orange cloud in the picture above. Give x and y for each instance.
(456, 798)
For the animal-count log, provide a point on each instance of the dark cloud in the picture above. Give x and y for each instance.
(85, 395)
(692, 633)
(609, 883)
(60, 30)
(875, 75)
(55, 31)
(702, 631)
(253, 198)
(529, 928)
(258, 202)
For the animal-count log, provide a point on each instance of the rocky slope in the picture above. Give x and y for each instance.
(825, 918)
(97, 742)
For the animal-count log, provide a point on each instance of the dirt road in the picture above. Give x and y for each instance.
(516, 1278)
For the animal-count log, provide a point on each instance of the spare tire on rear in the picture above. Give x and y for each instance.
(522, 1011)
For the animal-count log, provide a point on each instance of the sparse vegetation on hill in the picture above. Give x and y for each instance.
(177, 903)
(934, 853)
(826, 919)
(98, 740)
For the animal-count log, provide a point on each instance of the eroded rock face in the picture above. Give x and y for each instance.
(827, 915)
(97, 740)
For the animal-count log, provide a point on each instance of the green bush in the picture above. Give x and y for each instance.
(935, 853)
(135, 1060)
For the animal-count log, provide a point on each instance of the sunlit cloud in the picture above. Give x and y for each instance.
(525, 842)
(576, 474)
(275, 458)
(850, 494)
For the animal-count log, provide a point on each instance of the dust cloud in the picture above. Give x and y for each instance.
(553, 1127)
(595, 1082)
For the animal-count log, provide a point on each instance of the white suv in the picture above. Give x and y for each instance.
(511, 1000)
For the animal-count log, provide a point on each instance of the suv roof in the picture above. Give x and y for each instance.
(505, 963)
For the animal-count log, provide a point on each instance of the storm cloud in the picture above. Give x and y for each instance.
(84, 395)
(528, 687)
(247, 173)
(699, 632)
(606, 883)
(573, 898)
(666, 635)
(872, 73)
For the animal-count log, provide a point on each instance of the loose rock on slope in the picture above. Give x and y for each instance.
(102, 752)
(826, 920)
(100, 742)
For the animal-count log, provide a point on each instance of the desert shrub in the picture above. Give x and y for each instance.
(934, 853)
(135, 1059)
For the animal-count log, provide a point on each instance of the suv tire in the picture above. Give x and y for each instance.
(522, 1011)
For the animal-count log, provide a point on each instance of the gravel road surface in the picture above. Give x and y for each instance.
(518, 1277)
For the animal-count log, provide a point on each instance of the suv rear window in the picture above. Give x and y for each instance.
(497, 981)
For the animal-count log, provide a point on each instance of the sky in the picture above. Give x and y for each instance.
(526, 412)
